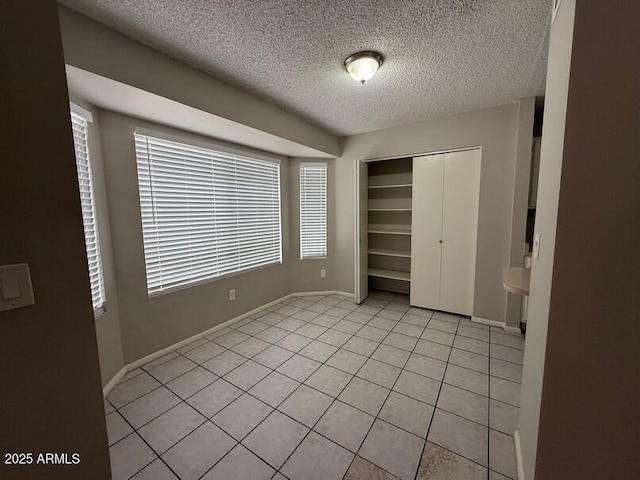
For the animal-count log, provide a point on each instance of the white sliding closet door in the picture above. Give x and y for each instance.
(444, 228)
(459, 230)
(426, 230)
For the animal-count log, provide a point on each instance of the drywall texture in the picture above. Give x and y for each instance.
(108, 323)
(590, 414)
(151, 323)
(495, 130)
(441, 57)
(91, 46)
(51, 394)
(546, 217)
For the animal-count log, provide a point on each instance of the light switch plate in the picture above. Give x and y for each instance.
(15, 287)
(9, 287)
(232, 294)
(323, 273)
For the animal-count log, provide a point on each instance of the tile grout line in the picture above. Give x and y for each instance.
(157, 456)
(387, 397)
(435, 408)
(488, 427)
(312, 429)
(283, 413)
(239, 442)
(221, 377)
(311, 339)
(143, 370)
(207, 419)
(489, 413)
(441, 381)
(293, 354)
(385, 400)
(274, 409)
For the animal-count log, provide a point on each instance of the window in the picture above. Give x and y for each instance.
(87, 201)
(313, 210)
(205, 213)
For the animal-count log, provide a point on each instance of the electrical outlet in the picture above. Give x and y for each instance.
(323, 273)
(232, 294)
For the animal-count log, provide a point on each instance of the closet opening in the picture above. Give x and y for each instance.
(417, 228)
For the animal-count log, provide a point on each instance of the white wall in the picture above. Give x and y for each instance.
(496, 131)
(546, 218)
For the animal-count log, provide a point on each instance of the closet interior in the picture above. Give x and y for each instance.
(389, 225)
(421, 228)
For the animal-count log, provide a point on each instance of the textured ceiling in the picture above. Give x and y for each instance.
(441, 56)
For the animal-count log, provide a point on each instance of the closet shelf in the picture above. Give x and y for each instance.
(391, 274)
(390, 229)
(389, 209)
(399, 185)
(390, 253)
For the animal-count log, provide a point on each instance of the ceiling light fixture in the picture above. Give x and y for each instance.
(363, 65)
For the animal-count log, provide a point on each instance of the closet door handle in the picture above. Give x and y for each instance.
(439, 241)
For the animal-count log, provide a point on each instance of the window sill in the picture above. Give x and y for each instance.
(99, 313)
(186, 286)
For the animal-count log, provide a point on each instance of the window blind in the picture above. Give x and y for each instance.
(205, 213)
(87, 202)
(313, 210)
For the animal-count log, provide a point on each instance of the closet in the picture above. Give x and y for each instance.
(417, 222)
(389, 225)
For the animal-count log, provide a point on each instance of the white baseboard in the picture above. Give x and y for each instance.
(112, 383)
(519, 464)
(152, 356)
(512, 329)
(486, 321)
(495, 323)
(324, 292)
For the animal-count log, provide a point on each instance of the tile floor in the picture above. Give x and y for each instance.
(320, 388)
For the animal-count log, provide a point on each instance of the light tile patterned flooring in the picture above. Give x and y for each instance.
(320, 388)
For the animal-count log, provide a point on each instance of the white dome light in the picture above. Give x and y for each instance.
(363, 65)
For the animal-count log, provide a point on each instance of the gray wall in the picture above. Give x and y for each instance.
(96, 48)
(304, 275)
(51, 393)
(588, 394)
(135, 325)
(149, 324)
(546, 217)
(496, 131)
(107, 324)
(520, 206)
